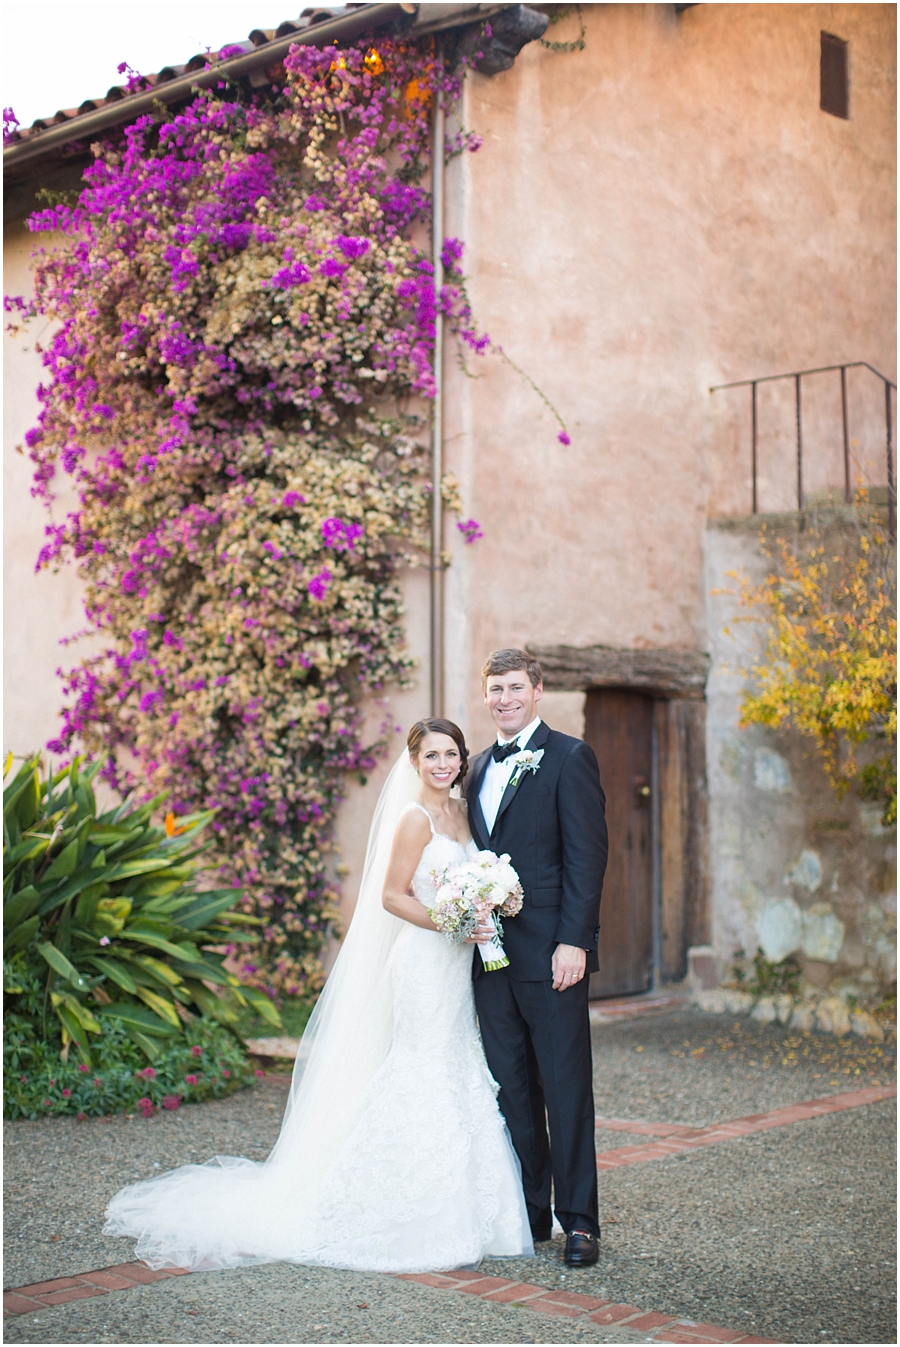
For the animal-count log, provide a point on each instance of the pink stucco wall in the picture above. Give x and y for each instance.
(665, 210)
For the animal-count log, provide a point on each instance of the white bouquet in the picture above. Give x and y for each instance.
(475, 891)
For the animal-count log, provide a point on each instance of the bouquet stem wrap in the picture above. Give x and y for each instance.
(493, 955)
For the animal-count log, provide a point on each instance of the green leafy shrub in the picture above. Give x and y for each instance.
(103, 924)
(294, 1011)
(206, 1061)
(768, 978)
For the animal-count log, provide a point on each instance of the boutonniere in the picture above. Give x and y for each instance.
(527, 760)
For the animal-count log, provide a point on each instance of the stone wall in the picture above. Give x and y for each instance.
(794, 869)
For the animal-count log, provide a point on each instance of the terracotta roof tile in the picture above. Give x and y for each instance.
(309, 17)
(50, 142)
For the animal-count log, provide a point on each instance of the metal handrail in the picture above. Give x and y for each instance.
(797, 375)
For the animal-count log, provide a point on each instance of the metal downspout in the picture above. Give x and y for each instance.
(436, 614)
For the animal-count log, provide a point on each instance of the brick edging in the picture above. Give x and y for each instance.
(676, 1140)
(497, 1290)
(574, 1305)
(60, 1290)
(628, 1007)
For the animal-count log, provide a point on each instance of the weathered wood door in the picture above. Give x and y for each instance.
(619, 728)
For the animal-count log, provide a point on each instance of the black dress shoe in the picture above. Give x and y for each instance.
(582, 1248)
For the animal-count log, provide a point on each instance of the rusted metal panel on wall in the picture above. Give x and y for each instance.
(619, 727)
(684, 886)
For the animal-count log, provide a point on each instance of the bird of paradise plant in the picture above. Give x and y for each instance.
(106, 905)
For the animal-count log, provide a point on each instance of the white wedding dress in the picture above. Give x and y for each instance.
(414, 1172)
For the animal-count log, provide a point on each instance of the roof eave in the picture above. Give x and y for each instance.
(370, 18)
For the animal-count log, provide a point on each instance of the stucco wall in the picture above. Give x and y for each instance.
(794, 869)
(666, 210)
(39, 609)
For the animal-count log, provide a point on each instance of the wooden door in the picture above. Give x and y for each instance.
(619, 728)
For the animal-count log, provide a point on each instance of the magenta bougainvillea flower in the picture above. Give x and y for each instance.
(470, 529)
(238, 311)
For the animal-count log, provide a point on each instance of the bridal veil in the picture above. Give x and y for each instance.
(349, 1032)
(229, 1211)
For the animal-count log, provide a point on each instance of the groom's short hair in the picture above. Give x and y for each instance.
(511, 661)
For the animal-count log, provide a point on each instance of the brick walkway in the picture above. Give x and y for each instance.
(524, 1295)
(674, 1140)
(669, 1139)
(573, 1305)
(122, 1277)
(628, 1007)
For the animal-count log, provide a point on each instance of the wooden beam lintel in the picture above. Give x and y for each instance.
(662, 672)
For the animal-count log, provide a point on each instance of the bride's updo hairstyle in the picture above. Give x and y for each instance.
(436, 726)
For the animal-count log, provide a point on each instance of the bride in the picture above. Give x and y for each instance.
(393, 1155)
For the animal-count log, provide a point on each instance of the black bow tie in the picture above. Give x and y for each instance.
(500, 752)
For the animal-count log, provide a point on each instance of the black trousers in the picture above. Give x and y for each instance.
(538, 1046)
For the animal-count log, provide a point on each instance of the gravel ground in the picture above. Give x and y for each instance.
(60, 1174)
(787, 1235)
(772, 1233)
(696, 1069)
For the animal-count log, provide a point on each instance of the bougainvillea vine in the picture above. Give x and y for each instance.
(243, 330)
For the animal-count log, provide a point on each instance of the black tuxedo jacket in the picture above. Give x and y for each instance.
(553, 826)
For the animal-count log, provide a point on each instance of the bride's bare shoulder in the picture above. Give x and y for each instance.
(412, 827)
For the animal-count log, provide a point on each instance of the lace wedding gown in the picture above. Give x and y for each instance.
(427, 1178)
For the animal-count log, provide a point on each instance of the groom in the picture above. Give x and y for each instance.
(545, 807)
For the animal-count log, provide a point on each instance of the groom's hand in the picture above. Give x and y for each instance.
(568, 966)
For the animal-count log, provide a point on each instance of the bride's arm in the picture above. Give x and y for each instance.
(410, 840)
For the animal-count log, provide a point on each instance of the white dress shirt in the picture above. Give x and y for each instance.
(497, 774)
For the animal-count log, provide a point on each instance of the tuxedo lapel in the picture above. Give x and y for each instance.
(537, 740)
(476, 817)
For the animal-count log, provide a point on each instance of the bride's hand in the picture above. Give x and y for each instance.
(484, 933)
